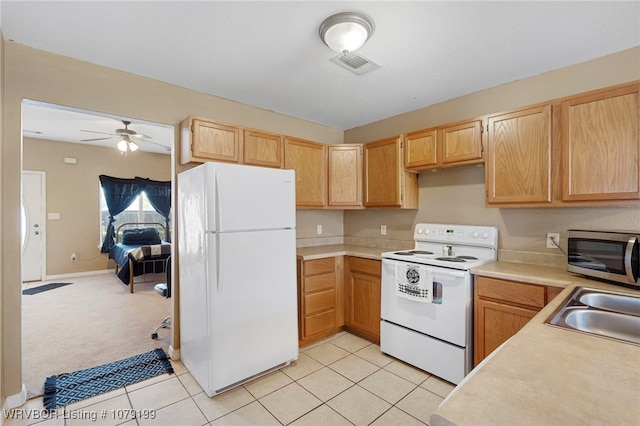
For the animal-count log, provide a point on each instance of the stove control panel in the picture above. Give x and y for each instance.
(458, 234)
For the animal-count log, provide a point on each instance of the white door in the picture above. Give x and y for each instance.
(32, 224)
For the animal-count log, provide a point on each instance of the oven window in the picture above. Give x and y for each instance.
(606, 256)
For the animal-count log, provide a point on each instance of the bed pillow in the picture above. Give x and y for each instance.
(140, 237)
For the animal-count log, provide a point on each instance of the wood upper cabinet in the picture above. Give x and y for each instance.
(386, 183)
(461, 142)
(502, 308)
(203, 140)
(518, 157)
(362, 297)
(451, 145)
(601, 145)
(308, 159)
(320, 293)
(344, 167)
(421, 149)
(262, 149)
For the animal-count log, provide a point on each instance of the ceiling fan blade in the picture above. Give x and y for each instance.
(102, 133)
(96, 139)
(140, 136)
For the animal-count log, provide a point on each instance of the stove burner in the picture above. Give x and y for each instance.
(412, 252)
(420, 252)
(467, 257)
(451, 259)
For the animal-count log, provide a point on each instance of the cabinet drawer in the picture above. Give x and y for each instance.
(321, 301)
(319, 266)
(321, 322)
(511, 292)
(319, 282)
(367, 266)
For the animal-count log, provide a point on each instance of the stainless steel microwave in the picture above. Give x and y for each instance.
(608, 255)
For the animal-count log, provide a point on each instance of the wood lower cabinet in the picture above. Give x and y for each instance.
(502, 308)
(386, 183)
(320, 304)
(362, 297)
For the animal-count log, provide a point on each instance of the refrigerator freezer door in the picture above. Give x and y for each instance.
(253, 308)
(249, 198)
(192, 272)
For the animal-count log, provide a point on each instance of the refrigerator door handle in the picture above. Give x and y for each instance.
(218, 204)
(218, 264)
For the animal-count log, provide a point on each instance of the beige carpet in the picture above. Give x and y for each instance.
(91, 322)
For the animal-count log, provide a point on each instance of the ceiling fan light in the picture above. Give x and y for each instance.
(122, 145)
(133, 146)
(346, 32)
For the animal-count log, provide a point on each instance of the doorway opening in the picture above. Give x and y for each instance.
(90, 318)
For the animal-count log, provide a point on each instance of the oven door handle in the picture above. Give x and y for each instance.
(457, 274)
(627, 258)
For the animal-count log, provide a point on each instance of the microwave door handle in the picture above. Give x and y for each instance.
(627, 258)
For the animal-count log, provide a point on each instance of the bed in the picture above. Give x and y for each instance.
(139, 249)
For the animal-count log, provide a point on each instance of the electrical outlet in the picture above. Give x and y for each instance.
(383, 229)
(74, 257)
(555, 236)
(319, 229)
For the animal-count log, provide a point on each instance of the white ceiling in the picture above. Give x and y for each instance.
(268, 53)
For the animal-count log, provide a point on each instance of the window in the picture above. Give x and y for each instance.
(138, 211)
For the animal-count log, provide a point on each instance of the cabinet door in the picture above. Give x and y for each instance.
(461, 143)
(494, 324)
(421, 150)
(386, 184)
(214, 141)
(262, 149)
(518, 162)
(308, 160)
(345, 175)
(382, 177)
(601, 146)
(362, 297)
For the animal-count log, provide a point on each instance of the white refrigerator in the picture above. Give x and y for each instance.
(237, 270)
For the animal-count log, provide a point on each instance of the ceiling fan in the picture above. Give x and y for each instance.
(128, 139)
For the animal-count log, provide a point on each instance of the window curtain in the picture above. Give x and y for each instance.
(119, 194)
(159, 195)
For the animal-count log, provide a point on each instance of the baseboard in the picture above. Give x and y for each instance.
(174, 353)
(79, 274)
(16, 400)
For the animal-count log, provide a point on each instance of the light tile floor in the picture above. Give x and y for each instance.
(342, 380)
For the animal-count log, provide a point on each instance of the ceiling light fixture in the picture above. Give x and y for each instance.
(346, 32)
(126, 144)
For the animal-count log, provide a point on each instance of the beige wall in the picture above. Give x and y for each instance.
(72, 191)
(456, 195)
(42, 76)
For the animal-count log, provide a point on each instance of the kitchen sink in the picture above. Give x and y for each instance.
(601, 313)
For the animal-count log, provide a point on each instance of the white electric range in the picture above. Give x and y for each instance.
(427, 297)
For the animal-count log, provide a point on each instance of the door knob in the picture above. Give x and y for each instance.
(35, 225)
(36, 233)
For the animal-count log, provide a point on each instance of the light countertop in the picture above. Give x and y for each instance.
(318, 252)
(546, 375)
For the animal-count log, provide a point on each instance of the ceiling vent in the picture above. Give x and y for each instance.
(355, 63)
